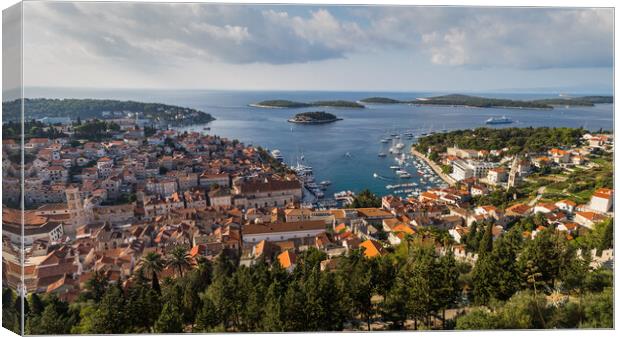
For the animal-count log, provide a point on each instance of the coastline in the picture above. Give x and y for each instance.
(446, 178)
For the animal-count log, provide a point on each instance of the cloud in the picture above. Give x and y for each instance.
(524, 38)
(151, 35)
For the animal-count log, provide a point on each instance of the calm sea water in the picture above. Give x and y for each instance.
(344, 152)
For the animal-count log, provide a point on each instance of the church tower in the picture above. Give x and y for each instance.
(78, 212)
(514, 172)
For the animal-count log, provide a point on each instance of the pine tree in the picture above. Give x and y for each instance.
(53, 319)
(110, 317)
(395, 307)
(170, 320)
(206, 319)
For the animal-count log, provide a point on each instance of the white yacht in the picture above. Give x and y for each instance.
(277, 155)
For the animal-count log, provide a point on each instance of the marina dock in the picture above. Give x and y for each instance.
(449, 180)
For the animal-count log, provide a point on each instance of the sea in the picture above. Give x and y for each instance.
(344, 152)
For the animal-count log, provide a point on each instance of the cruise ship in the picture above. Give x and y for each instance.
(499, 120)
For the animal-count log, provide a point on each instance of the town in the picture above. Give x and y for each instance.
(162, 202)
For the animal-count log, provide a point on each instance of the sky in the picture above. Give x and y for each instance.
(300, 47)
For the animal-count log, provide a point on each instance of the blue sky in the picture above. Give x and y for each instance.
(262, 47)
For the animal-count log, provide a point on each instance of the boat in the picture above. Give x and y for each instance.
(375, 175)
(395, 167)
(498, 120)
(385, 140)
(326, 182)
(403, 174)
(206, 128)
(277, 155)
(381, 154)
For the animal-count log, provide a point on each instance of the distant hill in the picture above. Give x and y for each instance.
(95, 108)
(281, 103)
(485, 102)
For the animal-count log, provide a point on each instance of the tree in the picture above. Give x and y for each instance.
(365, 199)
(417, 271)
(523, 311)
(110, 316)
(495, 274)
(170, 320)
(548, 251)
(395, 306)
(10, 316)
(446, 278)
(153, 264)
(483, 279)
(357, 279)
(599, 310)
(477, 319)
(53, 319)
(293, 305)
(486, 244)
(206, 319)
(179, 259)
(219, 294)
(97, 285)
(36, 305)
(143, 304)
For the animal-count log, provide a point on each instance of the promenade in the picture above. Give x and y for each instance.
(449, 180)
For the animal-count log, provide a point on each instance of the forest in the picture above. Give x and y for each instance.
(517, 140)
(516, 283)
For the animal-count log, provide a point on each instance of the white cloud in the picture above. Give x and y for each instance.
(147, 39)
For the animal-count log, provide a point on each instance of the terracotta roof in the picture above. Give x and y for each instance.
(281, 227)
(341, 227)
(591, 216)
(287, 259)
(603, 193)
(372, 212)
(371, 248)
(270, 185)
(568, 202)
(518, 208)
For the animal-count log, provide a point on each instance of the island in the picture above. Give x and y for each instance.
(282, 103)
(485, 102)
(479, 102)
(381, 100)
(164, 114)
(314, 117)
(578, 101)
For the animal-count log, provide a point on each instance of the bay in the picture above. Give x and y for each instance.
(344, 152)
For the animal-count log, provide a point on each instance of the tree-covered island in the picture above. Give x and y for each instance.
(314, 117)
(36, 108)
(281, 103)
(485, 102)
